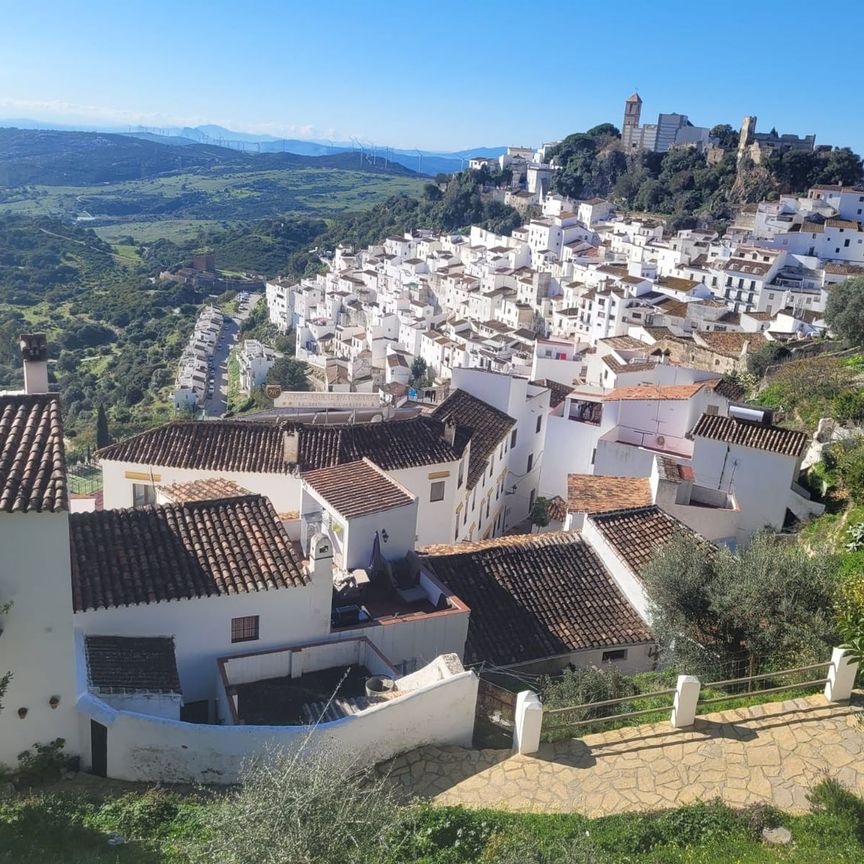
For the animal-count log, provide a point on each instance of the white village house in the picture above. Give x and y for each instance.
(190, 633)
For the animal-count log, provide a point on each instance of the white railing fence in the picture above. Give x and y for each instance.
(532, 720)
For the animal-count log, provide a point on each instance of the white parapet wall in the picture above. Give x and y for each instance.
(437, 707)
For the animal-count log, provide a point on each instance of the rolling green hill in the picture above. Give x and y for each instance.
(51, 157)
(113, 334)
(128, 186)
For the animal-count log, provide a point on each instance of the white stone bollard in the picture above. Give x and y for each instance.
(841, 676)
(686, 696)
(528, 722)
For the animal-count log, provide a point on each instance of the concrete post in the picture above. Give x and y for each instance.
(841, 676)
(686, 696)
(528, 722)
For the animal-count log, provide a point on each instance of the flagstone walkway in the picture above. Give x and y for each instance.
(770, 753)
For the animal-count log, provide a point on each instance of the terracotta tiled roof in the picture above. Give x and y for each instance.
(390, 445)
(617, 366)
(358, 489)
(840, 268)
(730, 343)
(587, 493)
(557, 509)
(179, 551)
(537, 596)
(259, 447)
(759, 436)
(654, 391)
(672, 307)
(217, 445)
(123, 664)
(628, 343)
(742, 265)
(557, 392)
(729, 389)
(487, 425)
(209, 489)
(634, 534)
(32, 462)
(673, 471)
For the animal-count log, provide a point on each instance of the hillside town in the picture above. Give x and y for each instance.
(502, 432)
(549, 300)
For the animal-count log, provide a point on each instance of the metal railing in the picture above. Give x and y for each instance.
(555, 718)
(749, 679)
(605, 718)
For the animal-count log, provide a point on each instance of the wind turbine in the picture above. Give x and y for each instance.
(419, 160)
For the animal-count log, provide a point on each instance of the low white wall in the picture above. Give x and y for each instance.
(153, 749)
(302, 659)
(155, 704)
(415, 640)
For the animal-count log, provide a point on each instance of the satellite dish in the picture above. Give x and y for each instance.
(661, 440)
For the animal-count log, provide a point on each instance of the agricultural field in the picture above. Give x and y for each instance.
(177, 207)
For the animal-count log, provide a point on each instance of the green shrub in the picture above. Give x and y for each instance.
(855, 535)
(53, 819)
(139, 816)
(43, 763)
(851, 470)
(832, 797)
(848, 406)
(770, 354)
(449, 834)
(586, 684)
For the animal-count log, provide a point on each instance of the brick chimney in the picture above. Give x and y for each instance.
(34, 352)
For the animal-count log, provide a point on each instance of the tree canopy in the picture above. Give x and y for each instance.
(844, 312)
(290, 374)
(722, 613)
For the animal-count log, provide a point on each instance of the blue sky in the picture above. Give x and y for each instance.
(434, 75)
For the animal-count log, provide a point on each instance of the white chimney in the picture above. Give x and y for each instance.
(450, 431)
(291, 446)
(34, 352)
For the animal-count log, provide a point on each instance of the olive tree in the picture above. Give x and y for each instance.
(719, 612)
(844, 311)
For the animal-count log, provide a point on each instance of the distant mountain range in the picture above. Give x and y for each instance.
(70, 158)
(429, 162)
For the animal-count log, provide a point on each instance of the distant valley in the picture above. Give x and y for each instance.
(125, 185)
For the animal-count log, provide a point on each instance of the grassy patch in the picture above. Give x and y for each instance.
(178, 206)
(158, 827)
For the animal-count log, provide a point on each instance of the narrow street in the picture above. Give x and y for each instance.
(217, 404)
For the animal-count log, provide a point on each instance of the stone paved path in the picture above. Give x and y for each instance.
(768, 753)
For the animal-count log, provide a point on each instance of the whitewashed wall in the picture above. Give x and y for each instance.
(282, 489)
(435, 519)
(760, 481)
(201, 627)
(414, 640)
(154, 749)
(36, 644)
